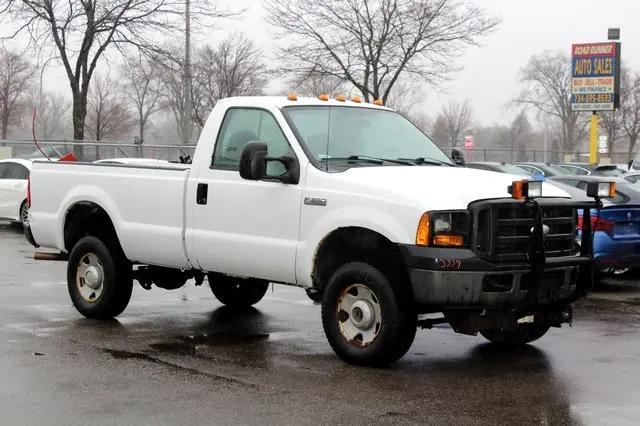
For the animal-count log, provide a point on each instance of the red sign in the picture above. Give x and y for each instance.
(468, 142)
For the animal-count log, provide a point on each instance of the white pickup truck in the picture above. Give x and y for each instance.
(344, 198)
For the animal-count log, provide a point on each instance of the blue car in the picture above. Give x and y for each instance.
(616, 241)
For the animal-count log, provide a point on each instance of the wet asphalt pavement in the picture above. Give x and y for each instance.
(180, 357)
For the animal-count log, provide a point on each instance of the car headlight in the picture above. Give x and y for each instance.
(443, 229)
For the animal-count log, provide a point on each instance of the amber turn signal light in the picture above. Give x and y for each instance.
(448, 240)
(423, 235)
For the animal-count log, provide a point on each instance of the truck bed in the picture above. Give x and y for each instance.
(145, 204)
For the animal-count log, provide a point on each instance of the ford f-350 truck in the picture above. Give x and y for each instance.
(344, 198)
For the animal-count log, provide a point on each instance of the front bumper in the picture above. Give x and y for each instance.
(456, 278)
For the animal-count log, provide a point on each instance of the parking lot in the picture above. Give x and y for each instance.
(181, 357)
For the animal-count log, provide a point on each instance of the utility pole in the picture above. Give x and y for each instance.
(186, 121)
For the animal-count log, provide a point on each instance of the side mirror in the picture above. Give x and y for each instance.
(457, 157)
(254, 161)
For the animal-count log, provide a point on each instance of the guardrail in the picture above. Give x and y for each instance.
(92, 150)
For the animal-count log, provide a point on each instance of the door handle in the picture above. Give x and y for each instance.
(201, 193)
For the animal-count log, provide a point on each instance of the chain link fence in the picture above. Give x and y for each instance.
(88, 151)
(542, 156)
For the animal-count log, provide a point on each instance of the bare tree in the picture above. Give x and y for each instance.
(15, 78)
(143, 89)
(452, 123)
(82, 32)
(547, 87)
(172, 79)
(517, 136)
(630, 109)
(51, 114)
(611, 124)
(317, 84)
(107, 115)
(233, 68)
(372, 44)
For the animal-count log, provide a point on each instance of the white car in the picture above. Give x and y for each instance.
(14, 177)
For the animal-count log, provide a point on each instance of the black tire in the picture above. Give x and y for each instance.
(523, 334)
(237, 292)
(397, 322)
(117, 281)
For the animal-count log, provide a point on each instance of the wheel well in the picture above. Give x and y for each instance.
(353, 244)
(86, 218)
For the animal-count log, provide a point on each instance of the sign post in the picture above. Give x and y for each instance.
(468, 145)
(595, 83)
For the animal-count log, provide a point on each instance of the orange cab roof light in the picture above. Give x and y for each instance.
(357, 99)
(292, 97)
(341, 98)
(323, 97)
(378, 102)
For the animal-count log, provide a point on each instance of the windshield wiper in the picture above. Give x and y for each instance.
(422, 160)
(373, 160)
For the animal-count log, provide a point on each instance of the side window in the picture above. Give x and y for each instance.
(4, 168)
(17, 171)
(243, 125)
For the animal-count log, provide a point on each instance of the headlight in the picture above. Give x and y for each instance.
(443, 229)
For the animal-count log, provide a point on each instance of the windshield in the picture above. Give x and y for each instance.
(346, 136)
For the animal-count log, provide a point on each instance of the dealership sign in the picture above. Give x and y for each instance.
(595, 76)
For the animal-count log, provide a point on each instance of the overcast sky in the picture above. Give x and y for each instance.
(490, 74)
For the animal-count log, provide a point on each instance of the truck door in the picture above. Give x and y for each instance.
(243, 227)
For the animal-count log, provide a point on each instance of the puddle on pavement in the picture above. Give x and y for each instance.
(188, 345)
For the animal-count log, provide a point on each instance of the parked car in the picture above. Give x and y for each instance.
(14, 176)
(616, 244)
(575, 168)
(495, 166)
(346, 199)
(542, 169)
(610, 170)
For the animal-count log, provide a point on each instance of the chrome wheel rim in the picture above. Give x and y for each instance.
(24, 214)
(90, 278)
(359, 315)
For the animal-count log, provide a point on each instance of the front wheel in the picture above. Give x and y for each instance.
(367, 320)
(523, 334)
(237, 292)
(99, 279)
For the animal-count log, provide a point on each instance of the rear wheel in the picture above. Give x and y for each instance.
(237, 292)
(523, 334)
(367, 320)
(99, 279)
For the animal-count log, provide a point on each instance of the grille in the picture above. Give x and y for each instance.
(504, 231)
